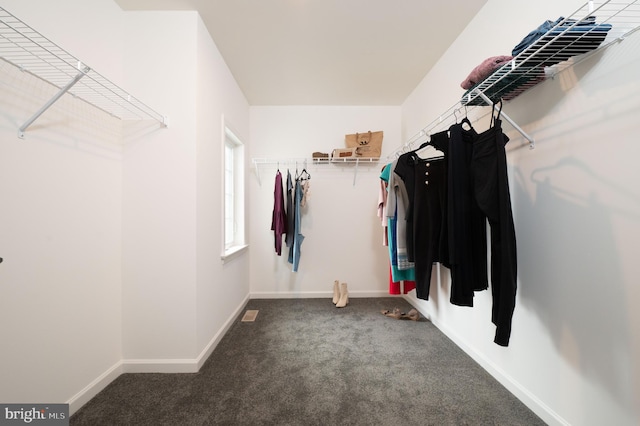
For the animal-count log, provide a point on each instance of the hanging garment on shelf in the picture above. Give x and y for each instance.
(426, 183)
(404, 164)
(306, 186)
(290, 217)
(397, 202)
(467, 223)
(392, 218)
(298, 238)
(278, 216)
(382, 210)
(491, 190)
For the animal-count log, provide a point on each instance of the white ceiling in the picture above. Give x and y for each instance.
(327, 52)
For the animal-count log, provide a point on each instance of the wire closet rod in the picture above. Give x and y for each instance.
(257, 162)
(443, 118)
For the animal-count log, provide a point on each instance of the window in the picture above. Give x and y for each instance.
(233, 194)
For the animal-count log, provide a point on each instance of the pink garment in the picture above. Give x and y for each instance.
(484, 70)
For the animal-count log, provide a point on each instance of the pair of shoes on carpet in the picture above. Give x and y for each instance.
(413, 314)
(340, 294)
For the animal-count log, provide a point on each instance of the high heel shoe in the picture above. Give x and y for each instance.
(336, 291)
(413, 315)
(396, 314)
(344, 296)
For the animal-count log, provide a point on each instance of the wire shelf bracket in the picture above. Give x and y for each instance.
(83, 70)
(509, 120)
(31, 52)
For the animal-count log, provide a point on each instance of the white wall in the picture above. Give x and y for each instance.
(576, 341)
(222, 288)
(159, 229)
(111, 232)
(112, 254)
(60, 220)
(178, 295)
(343, 238)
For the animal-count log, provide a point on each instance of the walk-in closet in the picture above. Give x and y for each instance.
(190, 231)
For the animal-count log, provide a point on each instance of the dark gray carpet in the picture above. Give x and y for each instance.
(305, 362)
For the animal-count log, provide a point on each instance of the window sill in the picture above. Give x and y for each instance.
(233, 252)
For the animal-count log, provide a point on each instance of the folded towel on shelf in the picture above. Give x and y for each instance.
(484, 70)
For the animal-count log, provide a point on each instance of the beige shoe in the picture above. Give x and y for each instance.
(344, 296)
(336, 291)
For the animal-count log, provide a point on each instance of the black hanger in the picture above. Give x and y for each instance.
(494, 118)
(424, 144)
(467, 122)
(305, 174)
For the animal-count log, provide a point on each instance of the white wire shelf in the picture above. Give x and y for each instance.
(302, 163)
(621, 18)
(591, 28)
(33, 53)
(314, 160)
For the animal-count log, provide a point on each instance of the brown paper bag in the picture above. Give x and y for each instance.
(367, 144)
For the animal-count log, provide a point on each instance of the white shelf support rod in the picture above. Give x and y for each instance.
(507, 118)
(257, 166)
(355, 171)
(83, 71)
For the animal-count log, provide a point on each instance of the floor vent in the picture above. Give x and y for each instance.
(250, 316)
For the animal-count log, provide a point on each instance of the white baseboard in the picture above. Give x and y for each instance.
(152, 365)
(542, 410)
(182, 365)
(93, 388)
(204, 355)
(159, 366)
(314, 294)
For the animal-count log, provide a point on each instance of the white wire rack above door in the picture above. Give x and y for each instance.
(33, 53)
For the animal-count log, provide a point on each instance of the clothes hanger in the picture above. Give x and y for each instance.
(304, 174)
(466, 120)
(427, 151)
(495, 118)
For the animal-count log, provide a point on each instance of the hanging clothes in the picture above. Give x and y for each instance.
(290, 217)
(491, 191)
(294, 252)
(279, 216)
(479, 193)
(467, 223)
(407, 275)
(427, 228)
(450, 199)
(305, 184)
(382, 210)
